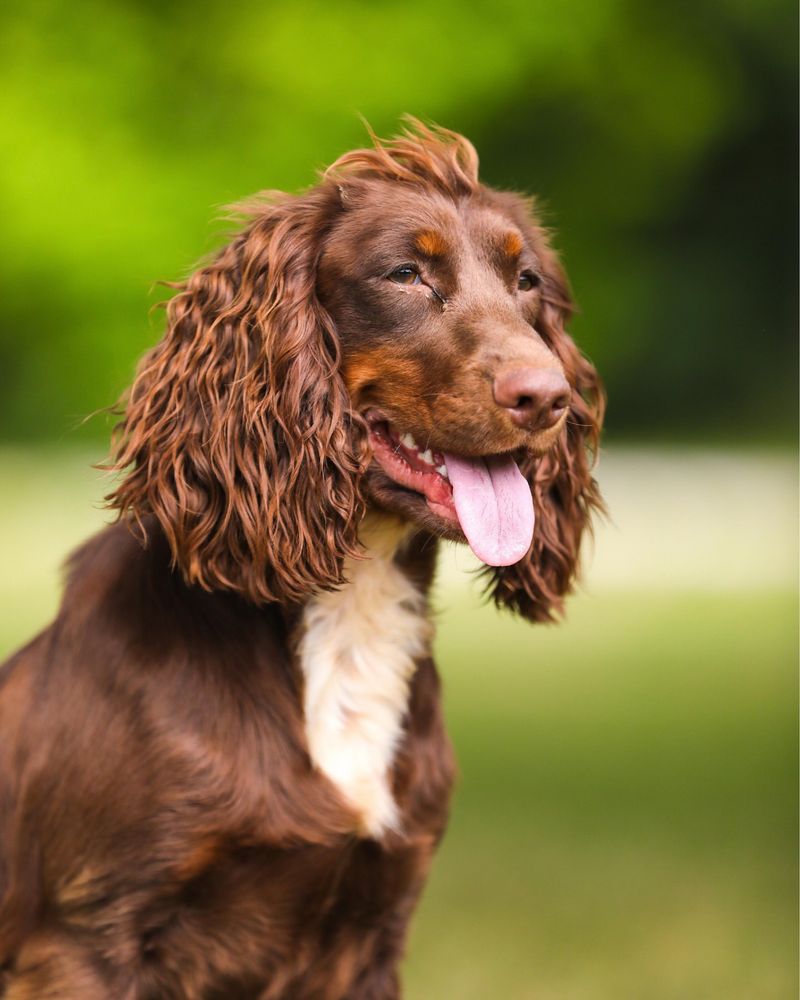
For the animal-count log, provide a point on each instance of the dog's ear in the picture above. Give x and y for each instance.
(564, 492)
(237, 434)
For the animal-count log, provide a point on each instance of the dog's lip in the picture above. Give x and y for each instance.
(419, 472)
(374, 418)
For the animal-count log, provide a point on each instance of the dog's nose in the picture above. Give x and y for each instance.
(535, 398)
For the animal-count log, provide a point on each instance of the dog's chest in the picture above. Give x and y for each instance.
(358, 653)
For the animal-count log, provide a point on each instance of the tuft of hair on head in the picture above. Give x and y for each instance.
(422, 155)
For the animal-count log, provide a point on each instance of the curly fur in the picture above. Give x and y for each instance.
(238, 430)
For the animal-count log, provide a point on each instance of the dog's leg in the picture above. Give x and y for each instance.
(380, 983)
(380, 980)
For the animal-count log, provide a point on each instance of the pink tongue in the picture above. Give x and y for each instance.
(494, 506)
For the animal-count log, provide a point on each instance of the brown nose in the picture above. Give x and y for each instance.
(535, 398)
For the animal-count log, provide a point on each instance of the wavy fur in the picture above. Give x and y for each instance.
(238, 435)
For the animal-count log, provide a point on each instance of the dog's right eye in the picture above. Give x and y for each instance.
(405, 275)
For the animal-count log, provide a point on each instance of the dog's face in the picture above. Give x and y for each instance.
(436, 304)
(394, 336)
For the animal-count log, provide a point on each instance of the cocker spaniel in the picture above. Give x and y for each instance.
(223, 768)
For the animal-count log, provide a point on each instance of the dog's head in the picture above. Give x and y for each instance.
(394, 337)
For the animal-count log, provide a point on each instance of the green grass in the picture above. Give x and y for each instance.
(625, 822)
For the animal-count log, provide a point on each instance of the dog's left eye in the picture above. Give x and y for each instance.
(528, 281)
(405, 276)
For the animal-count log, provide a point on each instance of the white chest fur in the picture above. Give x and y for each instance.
(358, 651)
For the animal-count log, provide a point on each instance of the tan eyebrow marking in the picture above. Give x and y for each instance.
(430, 243)
(512, 245)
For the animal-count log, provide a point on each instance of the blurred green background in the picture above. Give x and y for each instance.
(626, 821)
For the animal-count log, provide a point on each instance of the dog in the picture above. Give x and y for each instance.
(224, 770)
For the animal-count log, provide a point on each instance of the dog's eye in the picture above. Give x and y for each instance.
(405, 275)
(528, 281)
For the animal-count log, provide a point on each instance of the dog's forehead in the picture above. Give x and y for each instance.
(387, 206)
(386, 214)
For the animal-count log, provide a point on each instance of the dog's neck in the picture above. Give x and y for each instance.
(358, 651)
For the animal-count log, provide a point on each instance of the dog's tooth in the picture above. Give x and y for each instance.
(407, 441)
(442, 470)
(426, 456)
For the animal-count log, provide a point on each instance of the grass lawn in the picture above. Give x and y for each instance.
(625, 825)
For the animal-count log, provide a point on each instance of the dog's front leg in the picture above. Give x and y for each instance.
(379, 983)
(379, 979)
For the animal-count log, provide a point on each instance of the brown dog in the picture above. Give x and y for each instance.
(223, 768)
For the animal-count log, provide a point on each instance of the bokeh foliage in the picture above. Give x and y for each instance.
(660, 138)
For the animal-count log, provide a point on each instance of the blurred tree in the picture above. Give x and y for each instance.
(660, 137)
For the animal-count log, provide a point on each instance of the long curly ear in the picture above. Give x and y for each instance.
(237, 435)
(564, 491)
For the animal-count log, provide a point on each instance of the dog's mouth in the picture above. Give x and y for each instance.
(487, 497)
